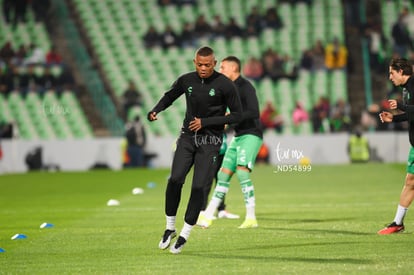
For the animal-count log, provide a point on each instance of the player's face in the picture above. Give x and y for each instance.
(204, 65)
(226, 68)
(396, 77)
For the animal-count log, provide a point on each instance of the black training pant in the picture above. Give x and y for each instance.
(207, 189)
(204, 158)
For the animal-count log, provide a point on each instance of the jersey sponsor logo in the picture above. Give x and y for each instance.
(212, 92)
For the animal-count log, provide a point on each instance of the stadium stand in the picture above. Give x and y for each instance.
(116, 36)
(115, 30)
(40, 117)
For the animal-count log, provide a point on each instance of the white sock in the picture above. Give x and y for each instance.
(185, 232)
(170, 222)
(250, 212)
(399, 216)
(212, 207)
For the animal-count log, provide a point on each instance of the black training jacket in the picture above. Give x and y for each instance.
(250, 122)
(207, 99)
(408, 108)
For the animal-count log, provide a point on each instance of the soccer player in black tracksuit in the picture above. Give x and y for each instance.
(240, 156)
(401, 74)
(208, 94)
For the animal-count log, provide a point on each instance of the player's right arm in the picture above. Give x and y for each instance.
(166, 100)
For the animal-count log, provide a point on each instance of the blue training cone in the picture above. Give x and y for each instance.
(2, 250)
(18, 236)
(46, 225)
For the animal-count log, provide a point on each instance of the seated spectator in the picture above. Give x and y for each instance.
(35, 55)
(186, 38)
(6, 80)
(152, 38)
(201, 28)
(271, 119)
(318, 56)
(169, 38)
(290, 68)
(340, 118)
(306, 60)
(401, 37)
(53, 57)
(253, 69)
(320, 116)
(269, 58)
(51, 81)
(376, 43)
(336, 55)
(272, 19)
(20, 55)
(218, 27)
(299, 114)
(30, 80)
(250, 31)
(254, 20)
(41, 9)
(279, 67)
(6, 52)
(131, 98)
(233, 29)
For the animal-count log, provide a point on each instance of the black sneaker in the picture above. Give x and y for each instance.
(391, 229)
(166, 239)
(178, 245)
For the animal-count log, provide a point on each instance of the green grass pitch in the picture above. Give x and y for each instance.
(318, 222)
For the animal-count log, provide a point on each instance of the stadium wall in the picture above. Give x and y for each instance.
(82, 155)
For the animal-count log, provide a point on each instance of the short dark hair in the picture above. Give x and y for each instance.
(205, 51)
(232, 58)
(402, 64)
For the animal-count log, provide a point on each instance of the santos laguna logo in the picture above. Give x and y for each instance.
(291, 160)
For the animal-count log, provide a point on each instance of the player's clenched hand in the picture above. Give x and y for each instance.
(152, 116)
(386, 117)
(195, 124)
(393, 104)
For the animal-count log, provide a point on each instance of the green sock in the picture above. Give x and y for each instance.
(247, 187)
(223, 183)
